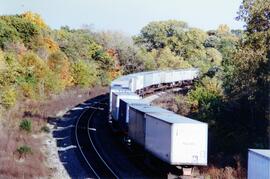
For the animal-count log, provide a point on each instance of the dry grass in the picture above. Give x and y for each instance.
(176, 103)
(223, 173)
(166, 101)
(12, 165)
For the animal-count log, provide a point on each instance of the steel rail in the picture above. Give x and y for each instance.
(94, 108)
(89, 135)
(77, 140)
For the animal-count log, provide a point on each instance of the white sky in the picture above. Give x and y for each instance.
(128, 15)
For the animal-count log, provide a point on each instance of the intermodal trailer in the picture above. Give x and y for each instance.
(258, 164)
(116, 88)
(124, 110)
(176, 139)
(136, 81)
(116, 96)
(137, 123)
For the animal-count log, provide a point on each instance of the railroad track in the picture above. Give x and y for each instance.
(84, 138)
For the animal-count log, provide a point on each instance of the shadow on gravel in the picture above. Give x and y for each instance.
(64, 133)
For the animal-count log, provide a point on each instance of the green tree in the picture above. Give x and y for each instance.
(76, 44)
(166, 59)
(212, 41)
(26, 30)
(7, 33)
(8, 97)
(247, 81)
(206, 99)
(59, 63)
(155, 35)
(84, 73)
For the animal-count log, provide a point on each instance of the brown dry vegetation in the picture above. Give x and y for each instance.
(32, 165)
(12, 164)
(177, 104)
(223, 173)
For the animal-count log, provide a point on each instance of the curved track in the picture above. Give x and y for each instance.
(84, 139)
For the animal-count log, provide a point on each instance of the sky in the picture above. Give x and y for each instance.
(127, 16)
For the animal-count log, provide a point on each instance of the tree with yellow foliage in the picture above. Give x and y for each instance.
(59, 63)
(35, 19)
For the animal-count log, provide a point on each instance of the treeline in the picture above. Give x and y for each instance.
(36, 61)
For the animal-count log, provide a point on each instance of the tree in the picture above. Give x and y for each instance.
(76, 44)
(155, 35)
(35, 19)
(206, 99)
(214, 57)
(31, 62)
(23, 28)
(8, 97)
(247, 84)
(212, 41)
(59, 63)
(7, 33)
(84, 73)
(223, 29)
(166, 59)
(195, 38)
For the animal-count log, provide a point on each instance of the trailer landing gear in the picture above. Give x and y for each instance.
(187, 172)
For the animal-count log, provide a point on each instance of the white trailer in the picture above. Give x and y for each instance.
(168, 76)
(116, 96)
(258, 164)
(117, 89)
(175, 139)
(124, 108)
(148, 79)
(136, 81)
(137, 123)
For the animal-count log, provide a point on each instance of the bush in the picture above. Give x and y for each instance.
(183, 107)
(21, 28)
(26, 125)
(8, 97)
(53, 83)
(24, 150)
(28, 90)
(7, 33)
(206, 99)
(45, 129)
(59, 63)
(84, 73)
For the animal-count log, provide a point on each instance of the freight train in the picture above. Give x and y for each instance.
(171, 138)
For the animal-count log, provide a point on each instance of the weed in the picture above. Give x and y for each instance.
(45, 129)
(24, 150)
(26, 125)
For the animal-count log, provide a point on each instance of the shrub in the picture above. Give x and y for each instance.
(53, 83)
(59, 63)
(28, 90)
(34, 64)
(7, 33)
(84, 73)
(26, 125)
(206, 98)
(8, 97)
(24, 150)
(183, 107)
(21, 28)
(45, 129)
